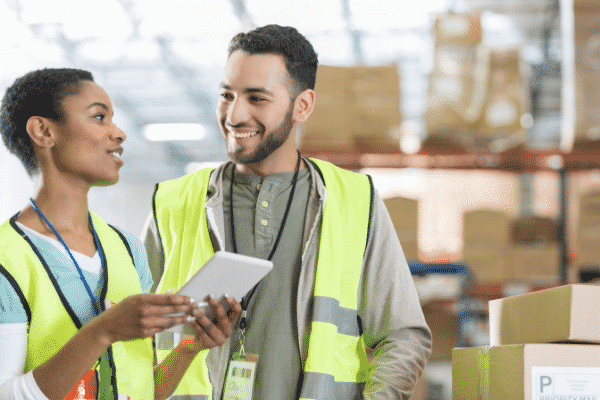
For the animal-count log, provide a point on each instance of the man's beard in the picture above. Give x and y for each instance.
(270, 142)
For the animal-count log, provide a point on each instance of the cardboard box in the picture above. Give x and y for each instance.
(534, 263)
(507, 97)
(379, 80)
(569, 313)
(355, 107)
(404, 215)
(463, 29)
(328, 127)
(588, 229)
(526, 372)
(443, 323)
(332, 79)
(587, 90)
(451, 59)
(534, 230)
(486, 227)
(488, 264)
(589, 209)
(454, 103)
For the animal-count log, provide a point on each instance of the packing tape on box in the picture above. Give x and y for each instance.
(483, 366)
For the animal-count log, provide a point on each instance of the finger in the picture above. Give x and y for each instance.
(215, 337)
(150, 310)
(235, 309)
(164, 322)
(165, 299)
(218, 309)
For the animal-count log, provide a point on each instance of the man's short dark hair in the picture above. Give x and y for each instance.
(37, 93)
(300, 58)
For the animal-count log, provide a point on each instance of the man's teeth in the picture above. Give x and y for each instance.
(243, 135)
(115, 154)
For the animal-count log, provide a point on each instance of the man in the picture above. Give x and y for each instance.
(340, 281)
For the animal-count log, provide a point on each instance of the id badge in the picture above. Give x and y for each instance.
(239, 383)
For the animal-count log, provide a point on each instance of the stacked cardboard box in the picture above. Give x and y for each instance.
(454, 99)
(486, 239)
(533, 252)
(587, 70)
(356, 108)
(477, 96)
(498, 249)
(376, 112)
(329, 125)
(404, 214)
(588, 230)
(543, 345)
(507, 100)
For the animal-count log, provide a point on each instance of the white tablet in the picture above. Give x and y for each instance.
(224, 273)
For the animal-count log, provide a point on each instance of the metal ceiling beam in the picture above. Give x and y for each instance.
(241, 11)
(355, 34)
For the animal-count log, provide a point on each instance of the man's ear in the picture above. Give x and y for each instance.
(304, 105)
(40, 132)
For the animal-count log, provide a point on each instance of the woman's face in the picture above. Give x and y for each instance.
(88, 144)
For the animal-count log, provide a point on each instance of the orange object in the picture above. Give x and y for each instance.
(86, 388)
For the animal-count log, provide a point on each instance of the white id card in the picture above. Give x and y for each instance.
(240, 378)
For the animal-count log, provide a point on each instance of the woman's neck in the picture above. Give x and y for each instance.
(64, 206)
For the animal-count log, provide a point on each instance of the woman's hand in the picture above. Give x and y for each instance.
(213, 333)
(143, 315)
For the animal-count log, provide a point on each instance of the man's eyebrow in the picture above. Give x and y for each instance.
(98, 104)
(248, 90)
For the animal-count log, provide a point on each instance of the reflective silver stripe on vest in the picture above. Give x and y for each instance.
(189, 397)
(327, 309)
(165, 340)
(319, 386)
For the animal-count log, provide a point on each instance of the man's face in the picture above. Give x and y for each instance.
(255, 109)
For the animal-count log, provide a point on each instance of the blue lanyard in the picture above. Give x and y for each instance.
(87, 287)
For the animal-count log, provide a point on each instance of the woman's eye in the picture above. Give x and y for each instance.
(99, 117)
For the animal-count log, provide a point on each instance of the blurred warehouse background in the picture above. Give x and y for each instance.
(478, 119)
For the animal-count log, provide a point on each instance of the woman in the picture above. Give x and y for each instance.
(71, 286)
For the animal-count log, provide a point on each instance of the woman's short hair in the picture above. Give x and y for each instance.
(37, 93)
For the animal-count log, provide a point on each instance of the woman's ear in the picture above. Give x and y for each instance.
(304, 105)
(40, 132)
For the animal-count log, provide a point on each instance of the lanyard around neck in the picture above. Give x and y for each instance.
(87, 287)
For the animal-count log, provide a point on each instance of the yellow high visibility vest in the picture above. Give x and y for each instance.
(337, 361)
(126, 368)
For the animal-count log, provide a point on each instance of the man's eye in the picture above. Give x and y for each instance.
(100, 117)
(256, 99)
(227, 96)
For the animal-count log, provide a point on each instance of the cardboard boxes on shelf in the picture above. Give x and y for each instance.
(453, 96)
(588, 230)
(477, 96)
(356, 108)
(404, 215)
(543, 346)
(498, 249)
(533, 252)
(486, 236)
(507, 100)
(458, 29)
(587, 70)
